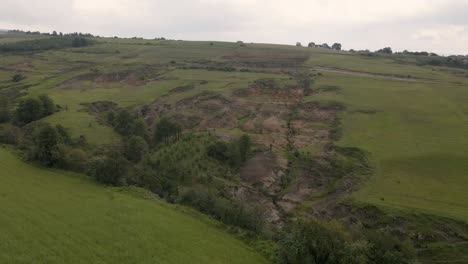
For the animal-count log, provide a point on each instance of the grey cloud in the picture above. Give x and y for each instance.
(253, 21)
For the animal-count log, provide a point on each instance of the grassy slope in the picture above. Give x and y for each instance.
(417, 138)
(50, 216)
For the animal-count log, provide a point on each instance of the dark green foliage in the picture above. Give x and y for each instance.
(311, 242)
(165, 131)
(450, 61)
(75, 160)
(127, 125)
(107, 169)
(4, 109)
(159, 177)
(18, 77)
(80, 42)
(63, 134)
(386, 50)
(336, 46)
(124, 123)
(219, 150)
(225, 210)
(140, 129)
(45, 44)
(47, 145)
(29, 110)
(317, 243)
(245, 145)
(386, 249)
(48, 104)
(111, 118)
(233, 153)
(32, 109)
(135, 148)
(9, 134)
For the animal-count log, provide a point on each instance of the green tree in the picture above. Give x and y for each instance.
(107, 169)
(139, 128)
(48, 104)
(165, 131)
(311, 242)
(76, 159)
(124, 123)
(64, 134)
(135, 148)
(336, 46)
(29, 110)
(47, 145)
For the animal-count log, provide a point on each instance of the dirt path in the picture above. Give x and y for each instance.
(380, 75)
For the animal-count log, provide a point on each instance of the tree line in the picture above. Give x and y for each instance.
(46, 44)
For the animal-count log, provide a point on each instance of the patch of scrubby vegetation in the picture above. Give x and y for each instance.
(46, 44)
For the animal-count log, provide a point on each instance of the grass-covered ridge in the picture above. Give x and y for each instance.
(51, 216)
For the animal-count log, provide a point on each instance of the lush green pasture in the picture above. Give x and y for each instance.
(51, 216)
(417, 136)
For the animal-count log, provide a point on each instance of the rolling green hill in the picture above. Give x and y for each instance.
(309, 112)
(52, 216)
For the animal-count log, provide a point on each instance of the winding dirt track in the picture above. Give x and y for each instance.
(381, 75)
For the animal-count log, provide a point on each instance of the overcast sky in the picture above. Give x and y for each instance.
(432, 25)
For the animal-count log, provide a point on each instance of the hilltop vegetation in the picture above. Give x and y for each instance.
(258, 135)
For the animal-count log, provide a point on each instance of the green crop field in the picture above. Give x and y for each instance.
(52, 216)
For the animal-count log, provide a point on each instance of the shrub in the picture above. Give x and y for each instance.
(107, 170)
(227, 211)
(4, 109)
(311, 242)
(47, 149)
(29, 110)
(18, 77)
(135, 148)
(32, 109)
(76, 160)
(9, 134)
(165, 131)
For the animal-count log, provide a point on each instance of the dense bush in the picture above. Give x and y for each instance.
(107, 169)
(75, 159)
(234, 153)
(225, 210)
(4, 109)
(317, 243)
(166, 131)
(135, 148)
(9, 134)
(47, 145)
(32, 109)
(127, 125)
